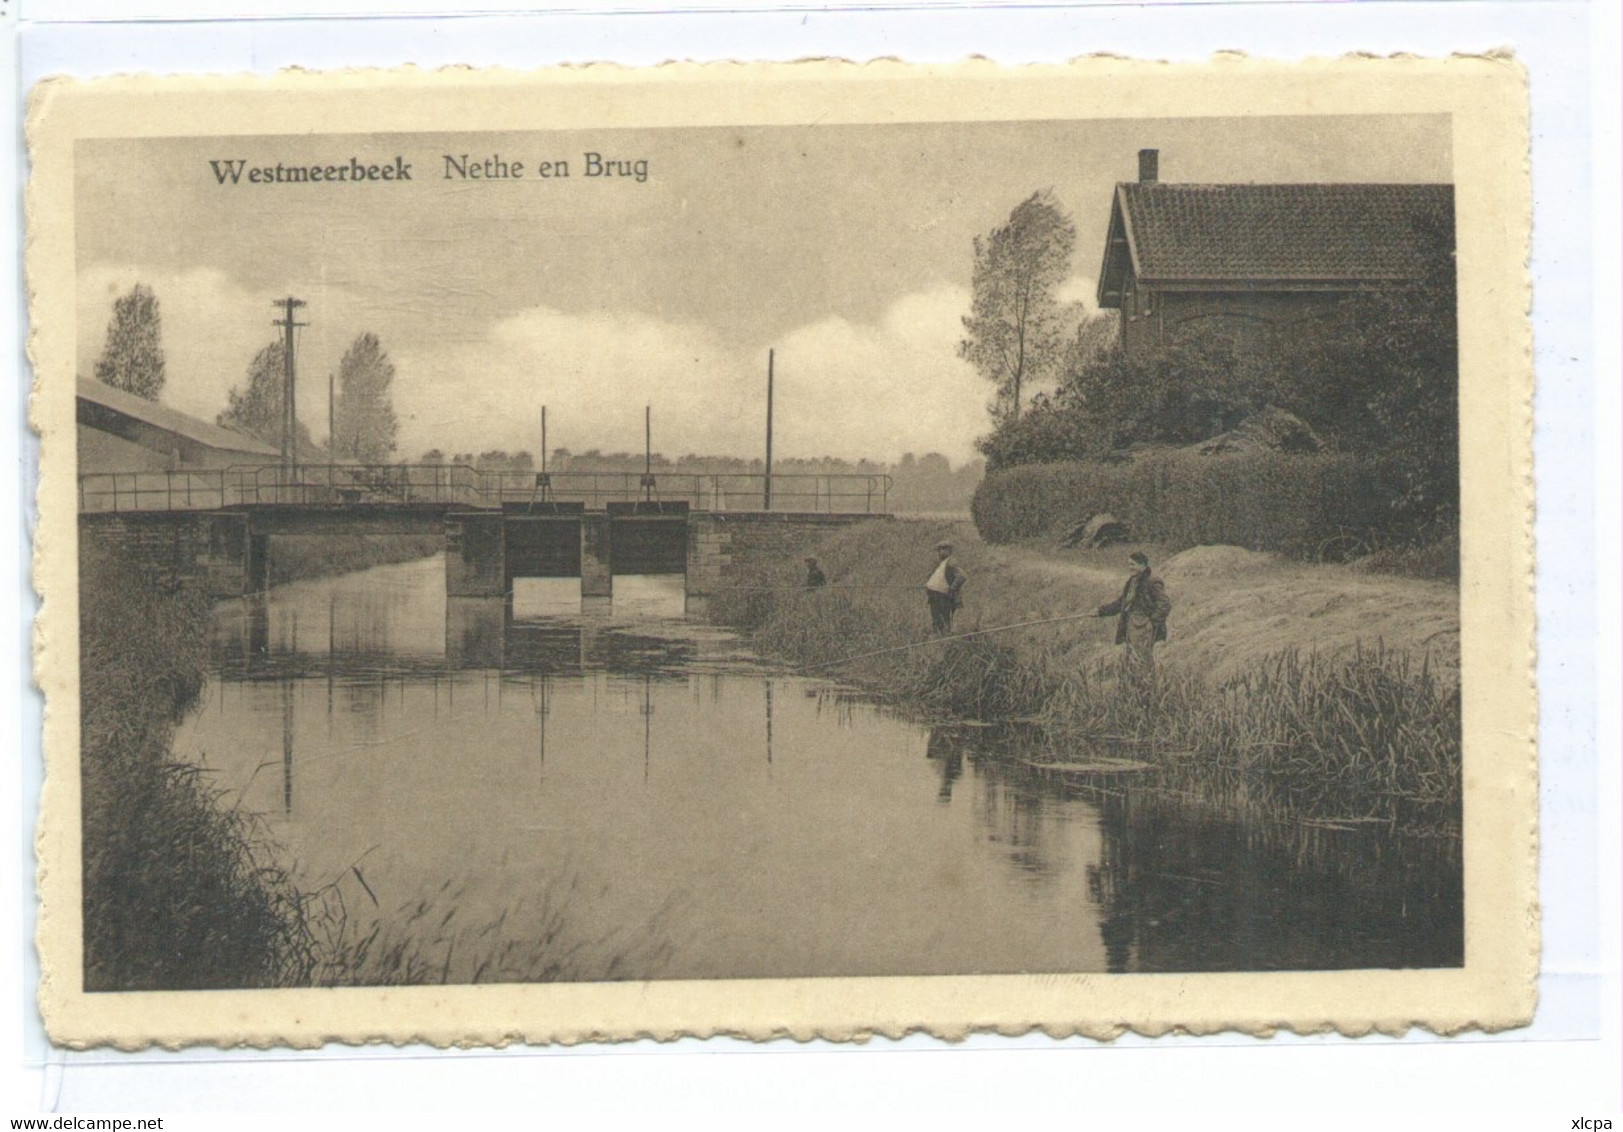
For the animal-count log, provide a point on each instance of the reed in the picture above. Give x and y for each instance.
(536, 938)
(179, 891)
(1360, 737)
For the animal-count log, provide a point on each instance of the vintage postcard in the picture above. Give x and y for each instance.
(809, 550)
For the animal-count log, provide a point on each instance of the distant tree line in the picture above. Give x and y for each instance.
(918, 483)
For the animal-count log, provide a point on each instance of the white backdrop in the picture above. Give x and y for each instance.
(1565, 1065)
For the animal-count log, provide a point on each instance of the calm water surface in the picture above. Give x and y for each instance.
(641, 796)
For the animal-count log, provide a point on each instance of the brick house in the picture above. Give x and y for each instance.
(1180, 258)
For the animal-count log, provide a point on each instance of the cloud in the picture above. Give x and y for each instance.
(594, 372)
(843, 388)
(212, 327)
(1079, 289)
(899, 386)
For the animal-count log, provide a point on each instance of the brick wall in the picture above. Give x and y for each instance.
(721, 543)
(1171, 314)
(207, 548)
(475, 564)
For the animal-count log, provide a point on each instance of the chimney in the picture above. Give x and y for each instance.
(1149, 162)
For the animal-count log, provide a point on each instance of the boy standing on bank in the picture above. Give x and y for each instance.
(942, 590)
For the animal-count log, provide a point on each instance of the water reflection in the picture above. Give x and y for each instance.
(946, 748)
(770, 824)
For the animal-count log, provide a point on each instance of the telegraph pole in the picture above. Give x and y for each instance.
(332, 418)
(648, 453)
(290, 412)
(766, 493)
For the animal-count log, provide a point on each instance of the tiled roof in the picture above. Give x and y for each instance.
(1339, 232)
(171, 420)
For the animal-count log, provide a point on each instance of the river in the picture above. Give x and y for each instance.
(480, 791)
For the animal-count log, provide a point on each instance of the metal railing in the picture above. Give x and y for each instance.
(154, 491)
(340, 485)
(336, 485)
(831, 493)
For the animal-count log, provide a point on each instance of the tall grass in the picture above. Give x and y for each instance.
(179, 891)
(1358, 737)
(430, 940)
(1353, 735)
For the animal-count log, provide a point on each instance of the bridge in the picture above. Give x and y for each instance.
(216, 524)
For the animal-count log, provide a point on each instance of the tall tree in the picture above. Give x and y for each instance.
(1015, 325)
(256, 408)
(132, 358)
(366, 425)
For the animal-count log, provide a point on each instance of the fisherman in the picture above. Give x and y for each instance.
(1141, 616)
(815, 578)
(943, 589)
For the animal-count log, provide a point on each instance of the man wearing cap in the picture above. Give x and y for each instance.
(942, 590)
(815, 578)
(1141, 615)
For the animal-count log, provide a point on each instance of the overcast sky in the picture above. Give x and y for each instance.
(847, 248)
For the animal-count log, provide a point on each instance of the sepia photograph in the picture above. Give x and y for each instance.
(588, 554)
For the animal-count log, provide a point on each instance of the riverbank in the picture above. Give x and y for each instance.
(293, 558)
(180, 891)
(185, 887)
(1334, 691)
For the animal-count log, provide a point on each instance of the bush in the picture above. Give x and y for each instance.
(1264, 500)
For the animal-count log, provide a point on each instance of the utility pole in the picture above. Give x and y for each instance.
(766, 493)
(543, 440)
(332, 418)
(290, 413)
(648, 453)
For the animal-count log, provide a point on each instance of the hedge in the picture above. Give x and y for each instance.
(1306, 506)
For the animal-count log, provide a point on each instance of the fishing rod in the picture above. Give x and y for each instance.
(832, 587)
(944, 640)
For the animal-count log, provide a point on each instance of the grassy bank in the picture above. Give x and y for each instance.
(296, 557)
(179, 891)
(1335, 692)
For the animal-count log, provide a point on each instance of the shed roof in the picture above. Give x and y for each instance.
(170, 420)
(1256, 235)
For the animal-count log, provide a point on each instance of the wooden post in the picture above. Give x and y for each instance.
(766, 493)
(290, 412)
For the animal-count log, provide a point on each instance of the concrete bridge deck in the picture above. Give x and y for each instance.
(420, 485)
(493, 533)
